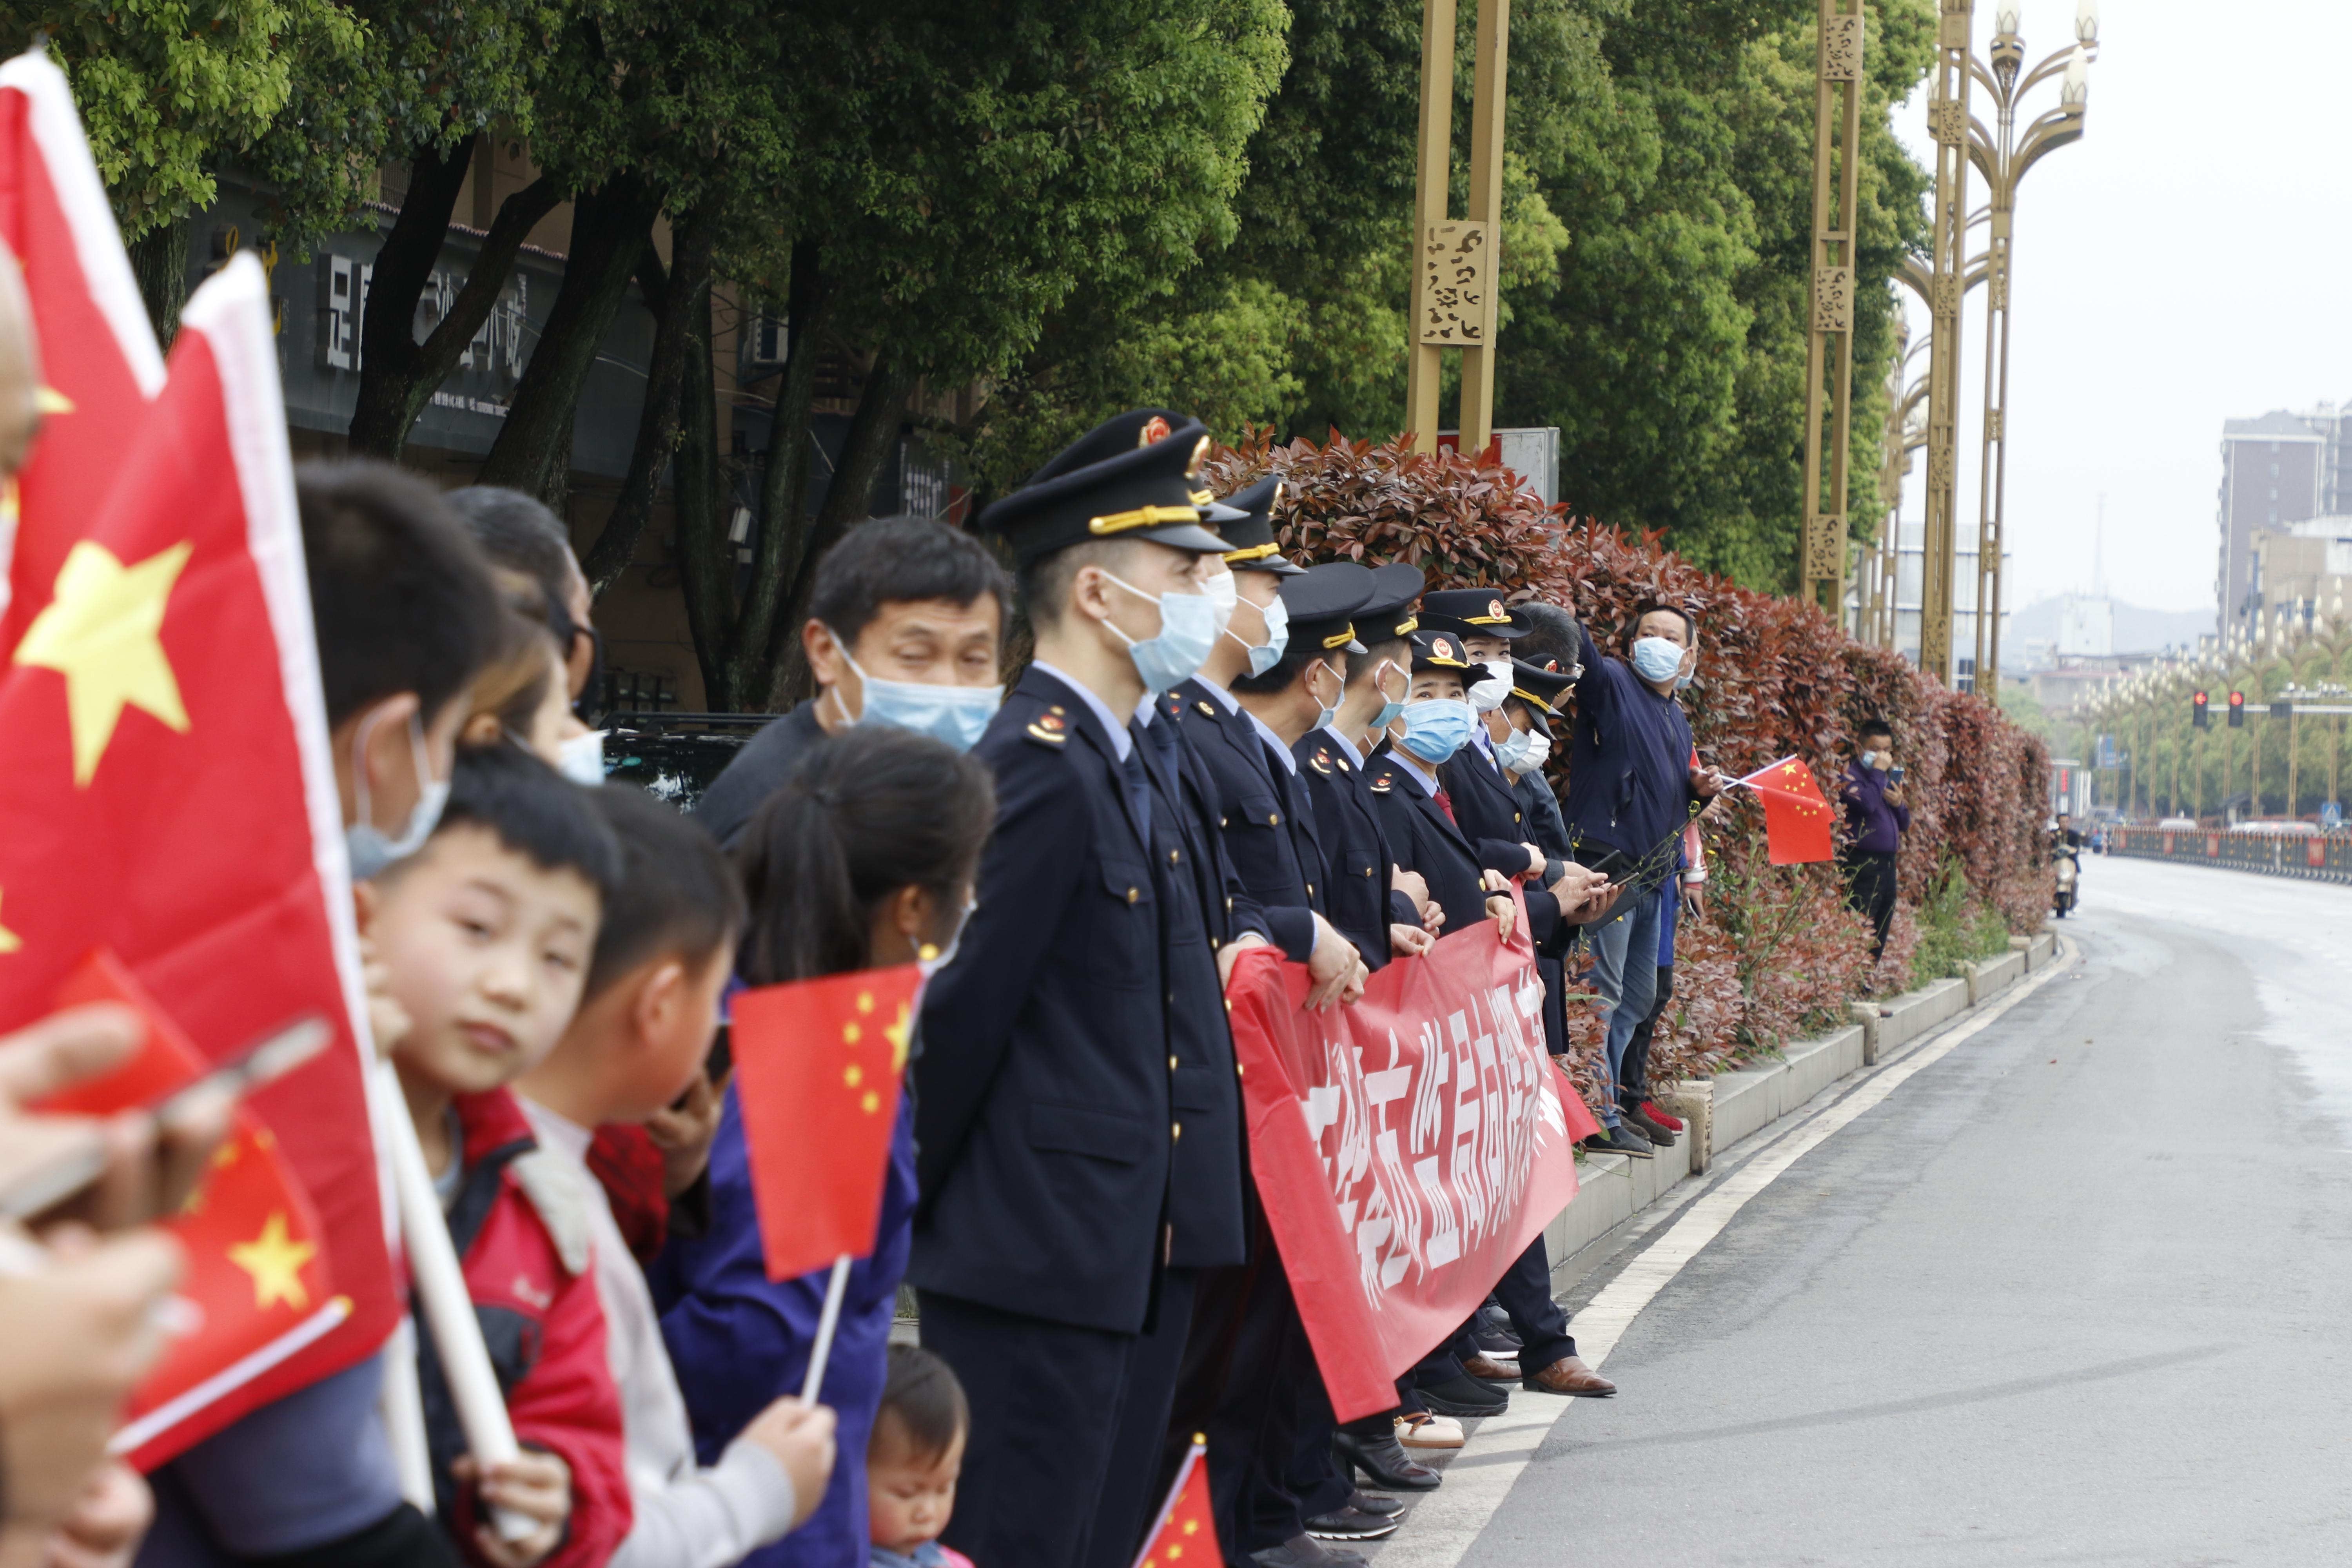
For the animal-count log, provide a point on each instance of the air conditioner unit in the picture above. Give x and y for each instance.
(766, 339)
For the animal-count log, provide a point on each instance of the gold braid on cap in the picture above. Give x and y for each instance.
(1141, 517)
(1409, 625)
(1255, 552)
(1525, 696)
(1346, 634)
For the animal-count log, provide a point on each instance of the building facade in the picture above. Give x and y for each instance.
(2277, 471)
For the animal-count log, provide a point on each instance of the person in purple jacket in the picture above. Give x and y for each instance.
(1875, 821)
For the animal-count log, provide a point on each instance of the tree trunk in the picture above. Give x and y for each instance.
(848, 502)
(783, 477)
(533, 450)
(674, 300)
(159, 259)
(398, 375)
(705, 560)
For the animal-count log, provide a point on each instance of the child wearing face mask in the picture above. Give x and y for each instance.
(913, 1462)
(865, 858)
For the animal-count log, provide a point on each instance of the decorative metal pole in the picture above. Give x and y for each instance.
(1454, 271)
(1837, 77)
(1948, 121)
(2002, 160)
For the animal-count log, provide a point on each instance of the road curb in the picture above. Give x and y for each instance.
(1731, 1108)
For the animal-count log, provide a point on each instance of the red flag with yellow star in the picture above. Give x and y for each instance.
(817, 1068)
(1796, 818)
(100, 363)
(257, 1285)
(1186, 1535)
(170, 796)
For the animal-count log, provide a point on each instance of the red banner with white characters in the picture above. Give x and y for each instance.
(1408, 1148)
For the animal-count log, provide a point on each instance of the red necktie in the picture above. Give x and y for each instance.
(1446, 804)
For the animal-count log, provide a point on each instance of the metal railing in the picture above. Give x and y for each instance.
(2283, 849)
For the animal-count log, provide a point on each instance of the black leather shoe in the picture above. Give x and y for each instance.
(1384, 1463)
(1464, 1396)
(1372, 1502)
(1492, 1328)
(1351, 1525)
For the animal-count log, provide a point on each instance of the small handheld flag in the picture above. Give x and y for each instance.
(817, 1068)
(1796, 818)
(1185, 1535)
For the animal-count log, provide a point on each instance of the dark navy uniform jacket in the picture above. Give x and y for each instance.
(1356, 854)
(1424, 841)
(1045, 1112)
(1262, 813)
(1205, 907)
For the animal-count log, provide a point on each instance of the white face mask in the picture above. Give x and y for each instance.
(1487, 695)
(582, 758)
(1224, 593)
(1538, 750)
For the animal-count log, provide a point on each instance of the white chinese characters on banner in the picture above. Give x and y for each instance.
(1429, 1142)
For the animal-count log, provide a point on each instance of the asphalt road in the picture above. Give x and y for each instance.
(2076, 1292)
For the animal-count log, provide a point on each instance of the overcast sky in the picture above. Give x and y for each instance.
(2183, 264)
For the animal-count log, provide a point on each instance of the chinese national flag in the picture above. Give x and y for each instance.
(1186, 1535)
(170, 797)
(817, 1068)
(1796, 818)
(99, 360)
(255, 1268)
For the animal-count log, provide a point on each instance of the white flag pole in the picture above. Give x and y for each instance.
(440, 1284)
(403, 1404)
(829, 1320)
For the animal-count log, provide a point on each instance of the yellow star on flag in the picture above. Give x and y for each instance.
(103, 632)
(9, 940)
(49, 400)
(274, 1260)
(898, 1034)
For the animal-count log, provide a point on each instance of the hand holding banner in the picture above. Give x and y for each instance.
(1408, 1147)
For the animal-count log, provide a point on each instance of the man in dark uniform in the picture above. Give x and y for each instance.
(1419, 813)
(1053, 1092)
(1361, 895)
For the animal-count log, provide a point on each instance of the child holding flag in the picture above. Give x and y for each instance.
(663, 955)
(486, 935)
(865, 857)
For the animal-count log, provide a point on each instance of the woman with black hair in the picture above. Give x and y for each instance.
(865, 858)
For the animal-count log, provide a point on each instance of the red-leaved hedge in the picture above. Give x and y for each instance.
(1779, 953)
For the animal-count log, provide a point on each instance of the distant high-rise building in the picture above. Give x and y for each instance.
(2277, 471)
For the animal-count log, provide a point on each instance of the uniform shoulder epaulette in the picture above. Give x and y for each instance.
(1320, 762)
(1205, 709)
(1049, 727)
(1383, 783)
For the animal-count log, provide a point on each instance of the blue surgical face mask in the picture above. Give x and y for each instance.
(1682, 681)
(369, 849)
(1390, 706)
(1265, 656)
(1657, 659)
(1187, 630)
(1511, 751)
(955, 715)
(1326, 711)
(1435, 728)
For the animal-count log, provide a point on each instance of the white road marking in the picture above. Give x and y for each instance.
(1446, 1522)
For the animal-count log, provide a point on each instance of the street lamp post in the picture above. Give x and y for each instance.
(1455, 271)
(1948, 121)
(1837, 80)
(2002, 158)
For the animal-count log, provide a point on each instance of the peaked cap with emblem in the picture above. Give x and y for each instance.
(1323, 603)
(1249, 538)
(1388, 614)
(1543, 690)
(1438, 650)
(1471, 613)
(1134, 477)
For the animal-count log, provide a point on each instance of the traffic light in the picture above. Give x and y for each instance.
(2237, 710)
(2200, 716)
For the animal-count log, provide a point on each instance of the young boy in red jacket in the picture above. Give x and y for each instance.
(486, 935)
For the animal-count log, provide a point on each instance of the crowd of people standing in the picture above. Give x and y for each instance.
(1210, 748)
